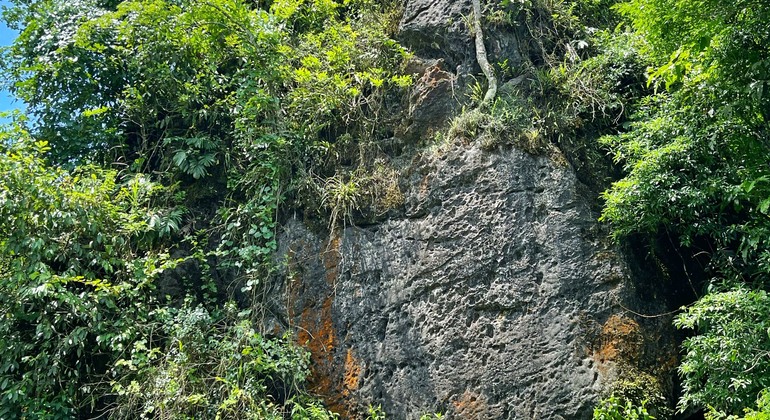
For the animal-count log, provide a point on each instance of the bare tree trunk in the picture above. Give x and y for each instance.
(481, 56)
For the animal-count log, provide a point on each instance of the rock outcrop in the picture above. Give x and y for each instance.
(496, 296)
(436, 29)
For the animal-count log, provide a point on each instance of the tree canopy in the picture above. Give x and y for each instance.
(159, 128)
(696, 161)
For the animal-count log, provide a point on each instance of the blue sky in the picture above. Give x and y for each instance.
(6, 38)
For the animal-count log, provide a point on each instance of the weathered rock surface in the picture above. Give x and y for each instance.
(433, 102)
(495, 296)
(436, 29)
(445, 66)
(493, 293)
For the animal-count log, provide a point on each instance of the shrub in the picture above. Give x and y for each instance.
(79, 251)
(212, 365)
(725, 366)
(615, 408)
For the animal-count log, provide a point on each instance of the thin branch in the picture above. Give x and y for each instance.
(481, 56)
(684, 264)
(665, 314)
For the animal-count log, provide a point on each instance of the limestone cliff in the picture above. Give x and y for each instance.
(492, 293)
(495, 296)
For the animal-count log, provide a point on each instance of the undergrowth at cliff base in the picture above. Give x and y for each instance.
(84, 330)
(614, 408)
(215, 365)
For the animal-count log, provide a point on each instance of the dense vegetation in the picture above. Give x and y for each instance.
(139, 208)
(696, 161)
(139, 204)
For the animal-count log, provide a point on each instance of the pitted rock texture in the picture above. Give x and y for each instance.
(489, 299)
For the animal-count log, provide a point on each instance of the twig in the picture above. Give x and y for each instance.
(481, 56)
(644, 315)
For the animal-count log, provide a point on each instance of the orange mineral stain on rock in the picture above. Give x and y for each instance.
(470, 406)
(329, 379)
(352, 373)
(317, 332)
(620, 340)
(318, 336)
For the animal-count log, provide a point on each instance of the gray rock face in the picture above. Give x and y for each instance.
(436, 29)
(445, 66)
(493, 294)
(432, 104)
(494, 297)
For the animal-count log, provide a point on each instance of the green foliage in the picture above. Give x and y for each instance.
(232, 102)
(578, 80)
(148, 70)
(510, 120)
(558, 30)
(180, 83)
(696, 158)
(77, 251)
(634, 395)
(724, 368)
(615, 408)
(600, 87)
(696, 172)
(763, 408)
(695, 178)
(340, 72)
(341, 197)
(79, 258)
(377, 413)
(47, 49)
(715, 51)
(212, 365)
(193, 155)
(224, 96)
